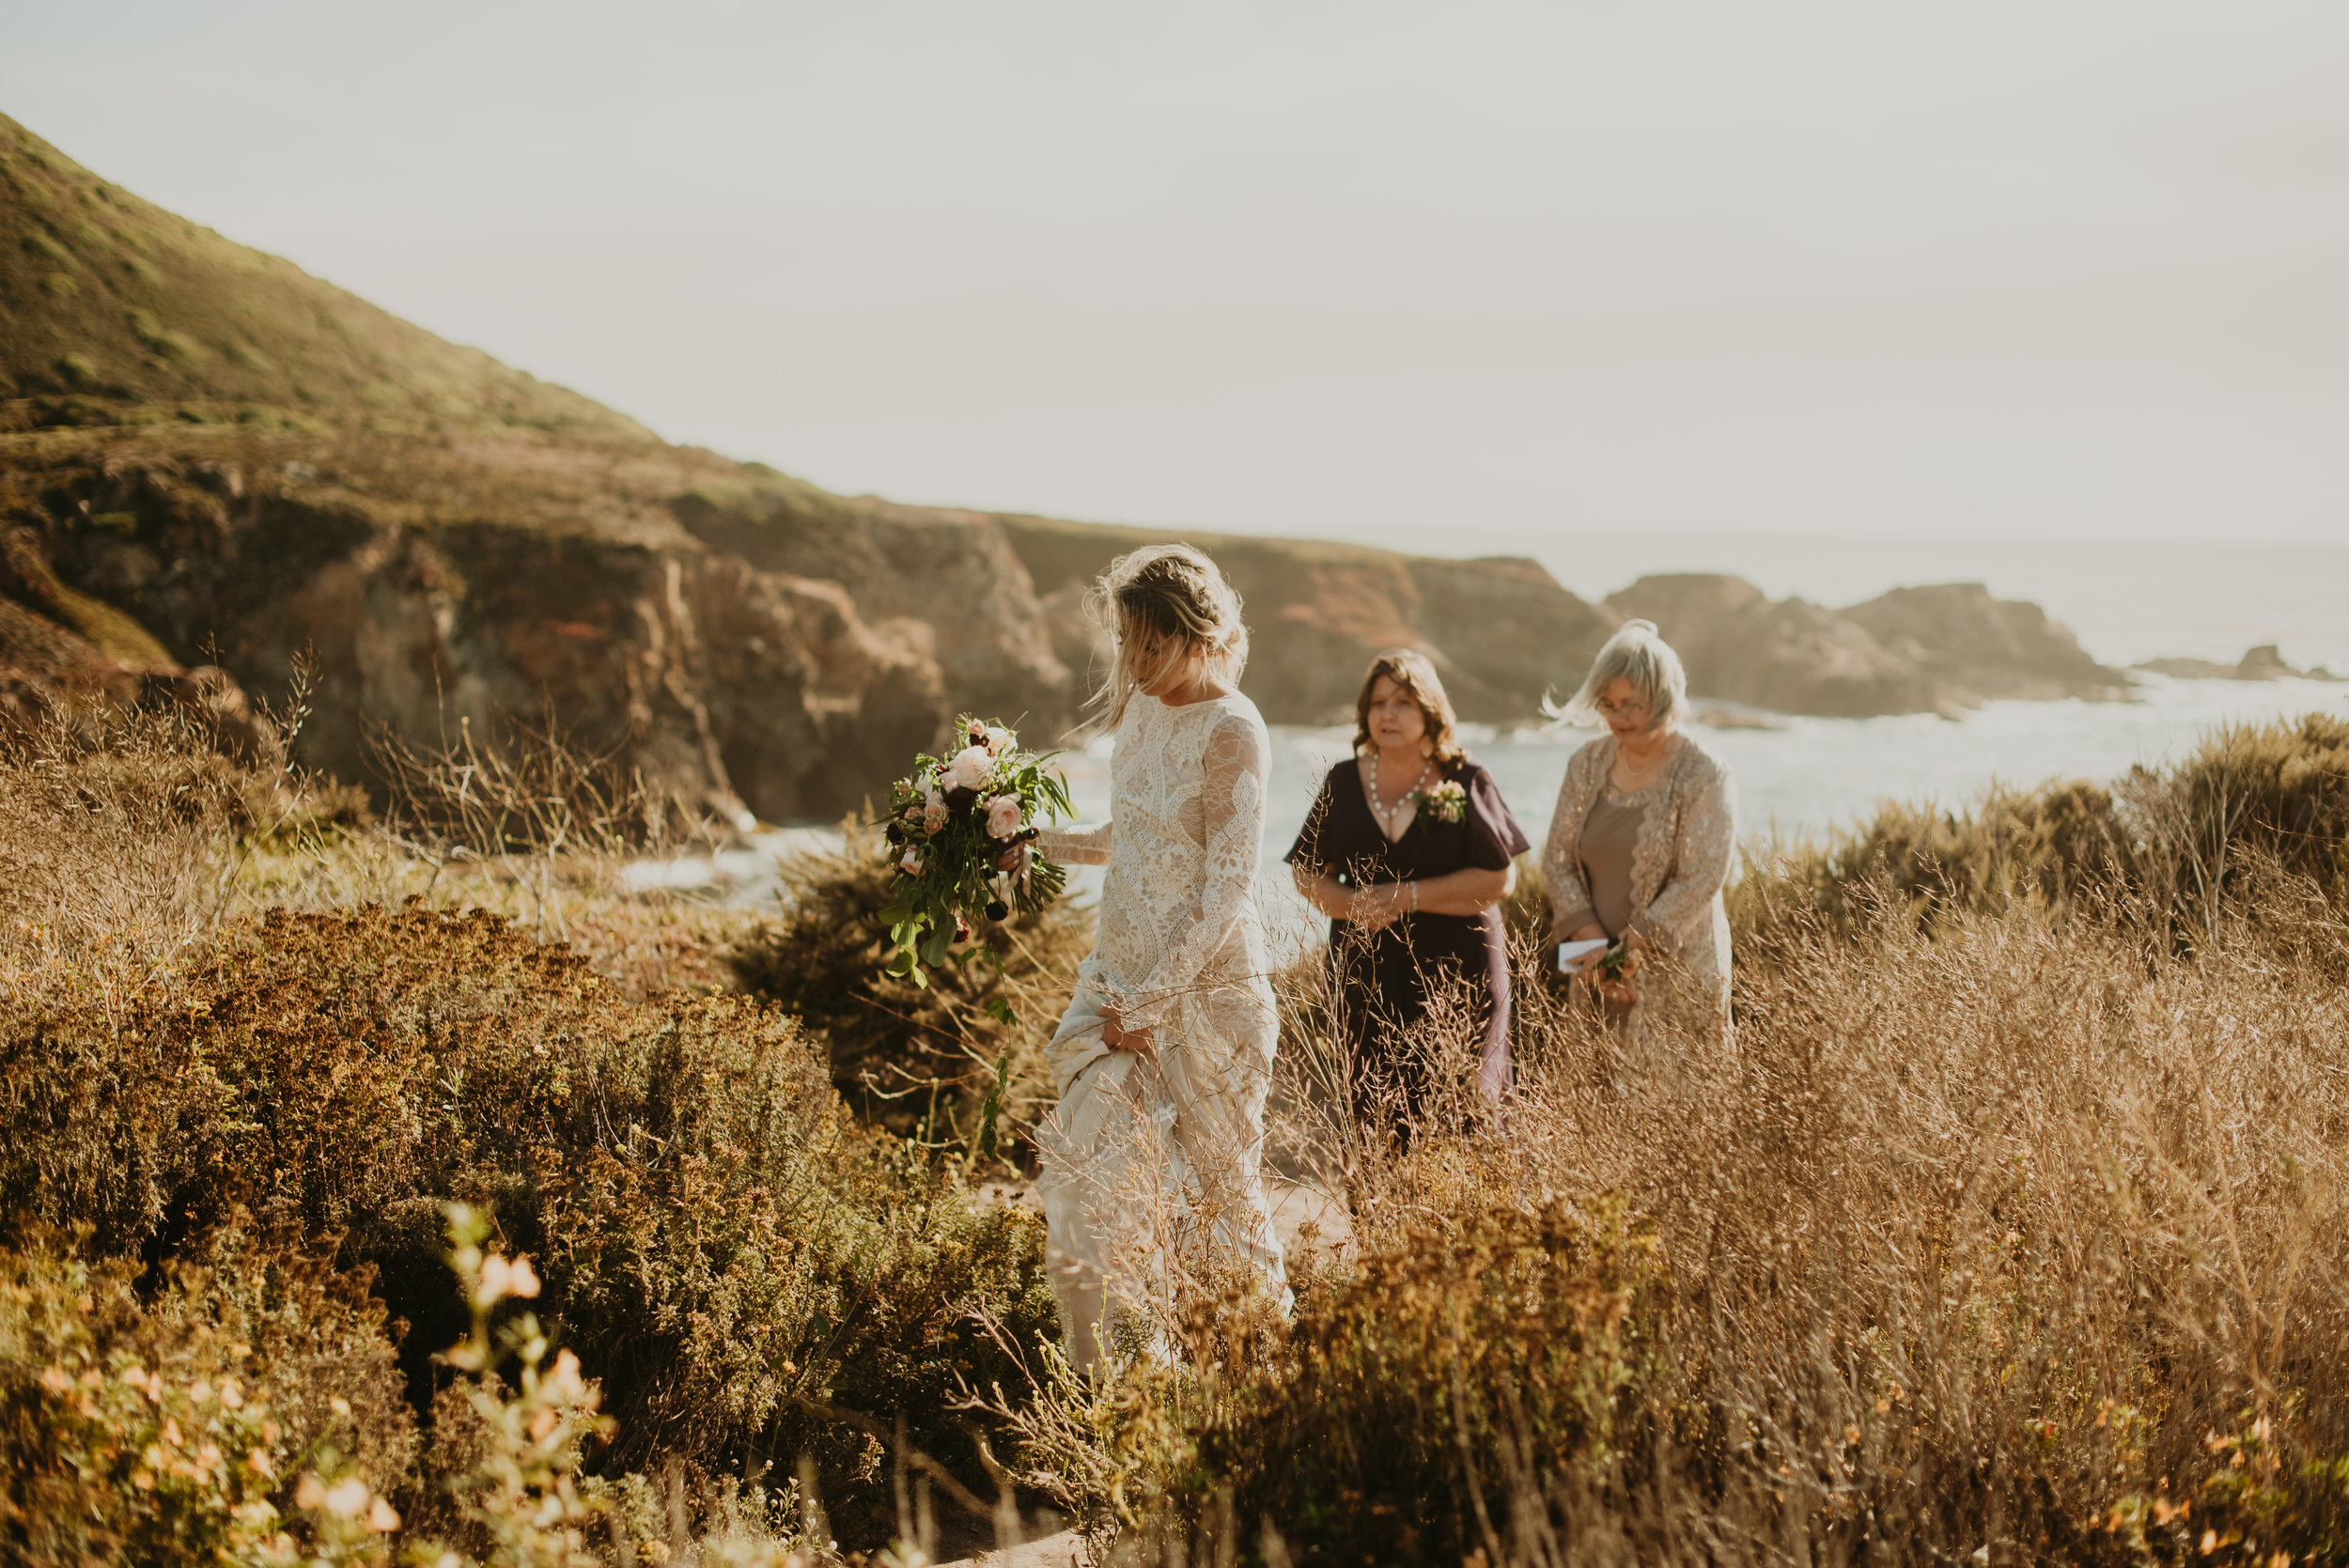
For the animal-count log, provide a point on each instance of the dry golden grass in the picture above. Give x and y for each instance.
(2010, 1239)
(2017, 1232)
(2014, 1229)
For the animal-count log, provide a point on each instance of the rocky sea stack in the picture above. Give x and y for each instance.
(1914, 650)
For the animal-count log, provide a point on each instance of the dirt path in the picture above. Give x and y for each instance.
(1064, 1550)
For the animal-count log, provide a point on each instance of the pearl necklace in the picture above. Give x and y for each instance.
(1385, 814)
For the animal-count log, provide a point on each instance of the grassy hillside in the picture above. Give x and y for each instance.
(111, 297)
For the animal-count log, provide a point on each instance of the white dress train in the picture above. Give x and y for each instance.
(1140, 1150)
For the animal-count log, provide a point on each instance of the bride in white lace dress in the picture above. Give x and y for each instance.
(1165, 1057)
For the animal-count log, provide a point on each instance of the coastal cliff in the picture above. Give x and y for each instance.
(1501, 630)
(215, 469)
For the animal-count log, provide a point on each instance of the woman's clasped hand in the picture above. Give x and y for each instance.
(1373, 908)
(1117, 1037)
(1620, 987)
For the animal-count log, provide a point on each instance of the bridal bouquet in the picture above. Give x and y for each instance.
(951, 823)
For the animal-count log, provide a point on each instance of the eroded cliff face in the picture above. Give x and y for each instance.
(750, 642)
(729, 686)
(746, 641)
(945, 579)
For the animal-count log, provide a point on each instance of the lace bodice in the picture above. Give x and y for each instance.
(1178, 919)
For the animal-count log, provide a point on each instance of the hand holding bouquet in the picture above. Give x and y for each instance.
(1609, 964)
(963, 831)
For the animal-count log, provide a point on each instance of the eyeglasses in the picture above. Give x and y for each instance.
(1621, 710)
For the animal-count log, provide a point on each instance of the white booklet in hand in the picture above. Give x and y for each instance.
(1570, 955)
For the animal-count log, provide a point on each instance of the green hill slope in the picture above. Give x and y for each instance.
(108, 296)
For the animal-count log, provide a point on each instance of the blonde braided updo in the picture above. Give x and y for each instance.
(1160, 603)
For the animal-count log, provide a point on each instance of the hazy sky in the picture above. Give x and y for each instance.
(1455, 276)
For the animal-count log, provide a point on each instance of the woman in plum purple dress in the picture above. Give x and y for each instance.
(1409, 850)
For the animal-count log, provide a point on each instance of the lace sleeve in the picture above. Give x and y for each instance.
(1707, 838)
(1085, 844)
(1562, 856)
(1238, 760)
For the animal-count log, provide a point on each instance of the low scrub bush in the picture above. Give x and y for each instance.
(1461, 1377)
(170, 1424)
(2170, 845)
(726, 1249)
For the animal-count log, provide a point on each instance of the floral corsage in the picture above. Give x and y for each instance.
(1446, 801)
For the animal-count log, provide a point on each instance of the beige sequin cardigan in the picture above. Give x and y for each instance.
(1679, 864)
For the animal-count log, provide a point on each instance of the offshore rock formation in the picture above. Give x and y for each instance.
(1787, 655)
(1976, 648)
(2265, 663)
(1914, 650)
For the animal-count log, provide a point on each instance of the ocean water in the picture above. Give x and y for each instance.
(2125, 603)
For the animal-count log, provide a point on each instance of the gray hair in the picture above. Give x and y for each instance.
(1636, 653)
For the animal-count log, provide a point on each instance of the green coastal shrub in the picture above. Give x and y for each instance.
(2169, 846)
(2279, 791)
(726, 1248)
(170, 1424)
(2059, 845)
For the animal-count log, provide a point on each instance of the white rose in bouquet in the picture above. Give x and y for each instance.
(969, 770)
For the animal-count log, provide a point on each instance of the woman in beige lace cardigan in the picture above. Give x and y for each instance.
(1640, 844)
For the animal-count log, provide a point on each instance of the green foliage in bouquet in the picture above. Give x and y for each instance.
(951, 823)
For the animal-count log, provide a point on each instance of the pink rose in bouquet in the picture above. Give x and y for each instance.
(1003, 815)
